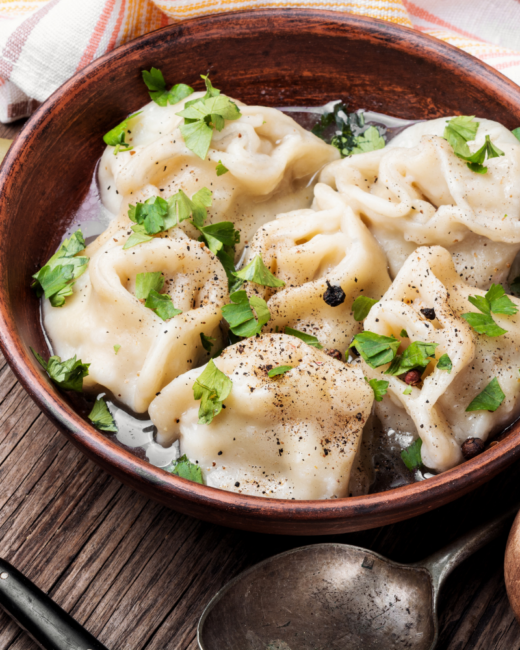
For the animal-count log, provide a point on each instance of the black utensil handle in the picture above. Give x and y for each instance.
(45, 621)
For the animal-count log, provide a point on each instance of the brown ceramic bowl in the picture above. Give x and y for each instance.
(279, 57)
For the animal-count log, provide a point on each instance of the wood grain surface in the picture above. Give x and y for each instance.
(138, 575)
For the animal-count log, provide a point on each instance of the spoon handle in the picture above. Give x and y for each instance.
(43, 620)
(442, 563)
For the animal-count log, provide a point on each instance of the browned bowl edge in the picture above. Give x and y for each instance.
(218, 506)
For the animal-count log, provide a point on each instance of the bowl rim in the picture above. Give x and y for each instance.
(155, 482)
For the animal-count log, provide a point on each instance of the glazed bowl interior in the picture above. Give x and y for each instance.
(276, 58)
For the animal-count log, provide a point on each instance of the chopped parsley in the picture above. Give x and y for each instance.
(256, 271)
(407, 390)
(56, 278)
(361, 307)
(375, 349)
(212, 387)
(404, 334)
(371, 140)
(220, 235)
(516, 132)
(162, 305)
(117, 347)
(203, 115)
(495, 301)
(380, 388)
(412, 456)
(207, 342)
(489, 399)
(445, 363)
(462, 129)
(279, 370)
(116, 136)
(156, 84)
(147, 282)
(65, 374)
(101, 417)
(188, 470)
(306, 338)
(220, 169)
(240, 316)
(417, 355)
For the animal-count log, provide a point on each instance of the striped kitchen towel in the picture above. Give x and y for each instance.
(44, 42)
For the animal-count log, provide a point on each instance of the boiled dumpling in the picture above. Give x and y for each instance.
(270, 158)
(308, 249)
(436, 411)
(103, 312)
(416, 192)
(293, 436)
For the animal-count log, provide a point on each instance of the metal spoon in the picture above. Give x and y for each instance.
(336, 597)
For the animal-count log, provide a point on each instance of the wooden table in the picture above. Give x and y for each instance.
(138, 575)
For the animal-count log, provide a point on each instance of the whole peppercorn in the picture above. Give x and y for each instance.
(472, 447)
(428, 313)
(335, 354)
(412, 377)
(334, 296)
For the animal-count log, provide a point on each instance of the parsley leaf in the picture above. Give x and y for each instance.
(241, 317)
(117, 347)
(411, 456)
(375, 349)
(362, 306)
(369, 141)
(162, 305)
(256, 271)
(407, 390)
(404, 334)
(416, 355)
(458, 132)
(445, 363)
(495, 301)
(116, 136)
(207, 342)
(146, 282)
(155, 83)
(220, 169)
(212, 387)
(516, 132)
(461, 129)
(65, 374)
(380, 388)
(101, 417)
(279, 370)
(306, 338)
(203, 115)
(489, 399)
(219, 235)
(185, 469)
(56, 278)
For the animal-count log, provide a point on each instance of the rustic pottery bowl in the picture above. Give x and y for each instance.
(274, 57)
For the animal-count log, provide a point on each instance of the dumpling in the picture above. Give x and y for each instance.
(103, 312)
(308, 249)
(294, 436)
(270, 158)
(436, 409)
(417, 192)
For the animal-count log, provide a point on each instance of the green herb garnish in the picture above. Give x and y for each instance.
(495, 301)
(65, 374)
(240, 316)
(380, 388)
(404, 334)
(188, 470)
(489, 399)
(375, 349)
(445, 363)
(117, 347)
(407, 390)
(371, 140)
(516, 132)
(147, 282)
(162, 305)
(361, 307)
(220, 169)
(212, 387)
(101, 417)
(155, 83)
(458, 132)
(207, 342)
(57, 277)
(256, 271)
(116, 136)
(411, 456)
(306, 338)
(203, 115)
(279, 370)
(417, 355)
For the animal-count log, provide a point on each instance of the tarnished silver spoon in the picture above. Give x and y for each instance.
(336, 597)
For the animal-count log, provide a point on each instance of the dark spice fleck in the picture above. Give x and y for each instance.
(472, 447)
(220, 453)
(428, 313)
(412, 377)
(237, 484)
(359, 416)
(335, 354)
(334, 296)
